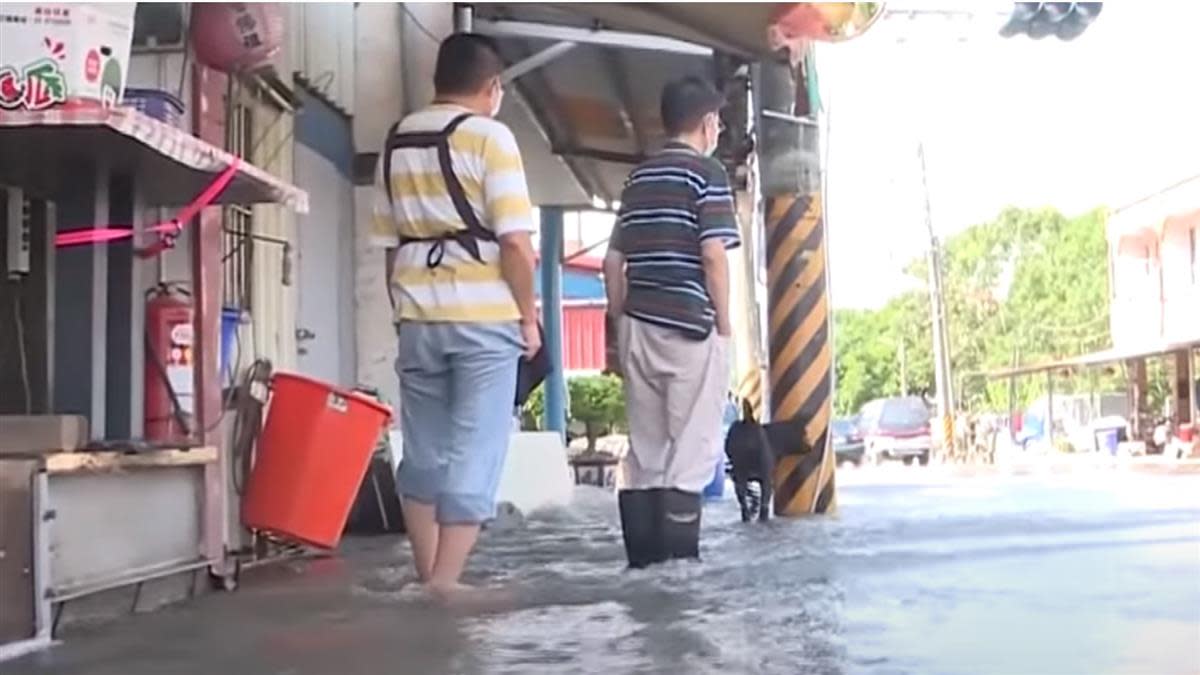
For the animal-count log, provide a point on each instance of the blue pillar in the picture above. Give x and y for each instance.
(551, 267)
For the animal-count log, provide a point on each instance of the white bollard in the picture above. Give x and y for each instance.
(536, 473)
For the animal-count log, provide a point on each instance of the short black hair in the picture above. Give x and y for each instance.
(465, 64)
(686, 101)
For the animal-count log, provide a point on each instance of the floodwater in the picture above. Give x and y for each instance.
(919, 573)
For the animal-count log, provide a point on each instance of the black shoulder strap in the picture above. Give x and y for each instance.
(440, 140)
(475, 229)
(388, 147)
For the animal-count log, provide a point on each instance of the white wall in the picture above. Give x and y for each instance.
(394, 75)
(321, 37)
(322, 269)
(424, 26)
(162, 70)
(273, 332)
(379, 82)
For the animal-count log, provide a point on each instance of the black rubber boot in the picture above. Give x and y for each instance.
(640, 526)
(680, 523)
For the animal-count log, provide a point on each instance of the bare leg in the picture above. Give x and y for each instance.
(454, 545)
(423, 533)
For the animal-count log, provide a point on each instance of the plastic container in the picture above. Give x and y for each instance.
(231, 318)
(312, 456)
(716, 489)
(161, 105)
(1107, 440)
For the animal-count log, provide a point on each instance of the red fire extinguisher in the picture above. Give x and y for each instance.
(170, 361)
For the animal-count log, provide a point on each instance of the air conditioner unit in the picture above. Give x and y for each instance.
(159, 26)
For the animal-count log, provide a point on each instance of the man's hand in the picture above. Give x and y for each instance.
(614, 282)
(716, 280)
(532, 337)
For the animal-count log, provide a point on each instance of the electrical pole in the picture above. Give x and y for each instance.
(941, 343)
(903, 368)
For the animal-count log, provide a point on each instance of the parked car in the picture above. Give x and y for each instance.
(848, 443)
(896, 428)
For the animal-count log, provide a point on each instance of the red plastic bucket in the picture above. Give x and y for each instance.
(314, 451)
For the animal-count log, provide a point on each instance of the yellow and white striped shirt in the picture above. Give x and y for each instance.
(487, 161)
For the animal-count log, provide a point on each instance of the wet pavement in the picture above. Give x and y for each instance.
(919, 573)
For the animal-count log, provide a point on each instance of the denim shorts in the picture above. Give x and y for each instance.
(457, 384)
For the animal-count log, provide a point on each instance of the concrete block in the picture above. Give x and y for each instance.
(536, 474)
(41, 434)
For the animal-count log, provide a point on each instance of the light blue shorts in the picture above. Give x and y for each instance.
(457, 387)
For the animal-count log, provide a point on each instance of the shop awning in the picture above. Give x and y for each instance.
(1149, 215)
(1098, 358)
(42, 152)
(587, 77)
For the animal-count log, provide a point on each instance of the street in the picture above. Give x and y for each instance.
(921, 572)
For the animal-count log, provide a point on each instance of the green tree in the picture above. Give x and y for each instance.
(1029, 286)
(598, 403)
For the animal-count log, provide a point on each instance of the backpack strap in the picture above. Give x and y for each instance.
(474, 232)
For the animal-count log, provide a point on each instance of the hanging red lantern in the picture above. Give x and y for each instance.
(236, 36)
(793, 25)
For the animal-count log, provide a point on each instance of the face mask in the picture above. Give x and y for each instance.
(716, 137)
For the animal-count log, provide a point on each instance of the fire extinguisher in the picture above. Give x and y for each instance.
(170, 363)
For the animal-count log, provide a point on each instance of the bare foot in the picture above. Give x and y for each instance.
(472, 599)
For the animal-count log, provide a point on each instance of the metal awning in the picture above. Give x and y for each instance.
(170, 166)
(587, 77)
(1150, 215)
(736, 28)
(1098, 358)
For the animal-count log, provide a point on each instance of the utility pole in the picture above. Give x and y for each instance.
(941, 343)
(903, 368)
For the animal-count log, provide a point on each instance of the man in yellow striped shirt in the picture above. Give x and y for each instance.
(452, 210)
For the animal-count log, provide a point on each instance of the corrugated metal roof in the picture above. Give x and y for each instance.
(584, 337)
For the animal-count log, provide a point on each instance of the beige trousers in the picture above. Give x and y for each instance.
(675, 390)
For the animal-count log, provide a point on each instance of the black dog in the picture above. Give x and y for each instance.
(752, 449)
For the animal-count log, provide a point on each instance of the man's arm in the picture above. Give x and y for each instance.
(614, 269)
(718, 234)
(516, 265)
(716, 280)
(614, 281)
(510, 215)
(383, 233)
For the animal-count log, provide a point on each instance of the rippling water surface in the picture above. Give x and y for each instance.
(917, 574)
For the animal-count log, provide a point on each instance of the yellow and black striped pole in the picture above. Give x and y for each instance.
(801, 353)
(748, 371)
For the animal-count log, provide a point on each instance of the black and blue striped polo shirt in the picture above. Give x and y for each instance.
(672, 203)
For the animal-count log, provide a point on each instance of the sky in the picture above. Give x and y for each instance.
(1099, 121)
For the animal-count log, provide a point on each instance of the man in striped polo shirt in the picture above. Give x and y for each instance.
(452, 210)
(667, 281)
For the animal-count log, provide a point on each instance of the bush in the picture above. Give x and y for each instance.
(534, 412)
(598, 403)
